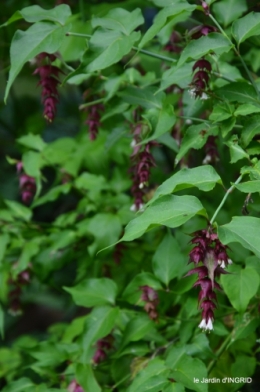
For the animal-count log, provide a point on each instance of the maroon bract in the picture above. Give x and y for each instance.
(23, 279)
(75, 387)
(172, 46)
(142, 162)
(27, 185)
(200, 79)
(103, 346)
(150, 297)
(49, 80)
(212, 254)
(93, 119)
(202, 30)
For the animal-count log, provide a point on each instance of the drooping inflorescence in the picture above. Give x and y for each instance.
(49, 81)
(142, 162)
(27, 184)
(150, 297)
(210, 258)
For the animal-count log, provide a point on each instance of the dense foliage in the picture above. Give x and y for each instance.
(130, 181)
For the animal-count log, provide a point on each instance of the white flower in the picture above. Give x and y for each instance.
(204, 96)
(133, 143)
(230, 261)
(192, 92)
(207, 159)
(141, 185)
(206, 326)
(222, 263)
(188, 122)
(133, 208)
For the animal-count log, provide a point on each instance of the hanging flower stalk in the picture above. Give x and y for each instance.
(142, 162)
(200, 81)
(27, 184)
(210, 258)
(75, 387)
(23, 279)
(150, 297)
(49, 80)
(212, 155)
(103, 346)
(93, 119)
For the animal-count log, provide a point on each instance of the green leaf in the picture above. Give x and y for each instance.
(18, 210)
(35, 13)
(93, 292)
(246, 108)
(238, 91)
(168, 260)
(177, 75)
(244, 362)
(144, 97)
(2, 320)
(40, 37)
(170, 211)
(246, 27)
(32, 141)
(4, 240)
(132, 292)
(213, 42)
(162, 120)
(202, 177)
(228, 10)
(99, 324)
(136, 329)
(53, 194)
(32, 162)
(86, 378)
(21, 385)
(250, 129)
(60, 151)
(195, 137)
(120, 19)
(152, 377)
(240, 286)
(118, 47)
(162, 18)
(30, 249)
(185, 369)
(221, 112)
(236, 152)
(245, 230)
(249, 186)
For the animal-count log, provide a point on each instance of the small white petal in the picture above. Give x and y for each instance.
(133, 208)
(141, 185)
(230, 261)
(192, 92)
(207, 159)
(209, 325)
(133, 143)
(204, 96)
(203, 324)
(223, 265)
(188, 122)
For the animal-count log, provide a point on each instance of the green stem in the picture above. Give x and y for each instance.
(194, 119)
(224, 199)
(238, 54)
(219, 352)
(155, 55)
(85, 105)
(151, 54)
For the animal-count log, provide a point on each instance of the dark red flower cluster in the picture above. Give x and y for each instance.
(23, 279)
(142, 162)
(173, 44)
(75, 387)
(212, 155)
(49, 80)
(202, 30)
(93, 120)
(103, 346)
(27, 184)
(150, 297)
(212, 254)
(200, 80)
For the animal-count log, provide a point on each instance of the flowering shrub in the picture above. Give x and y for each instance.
(130, 226)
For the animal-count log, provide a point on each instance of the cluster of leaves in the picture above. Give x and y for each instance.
(87, 256)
